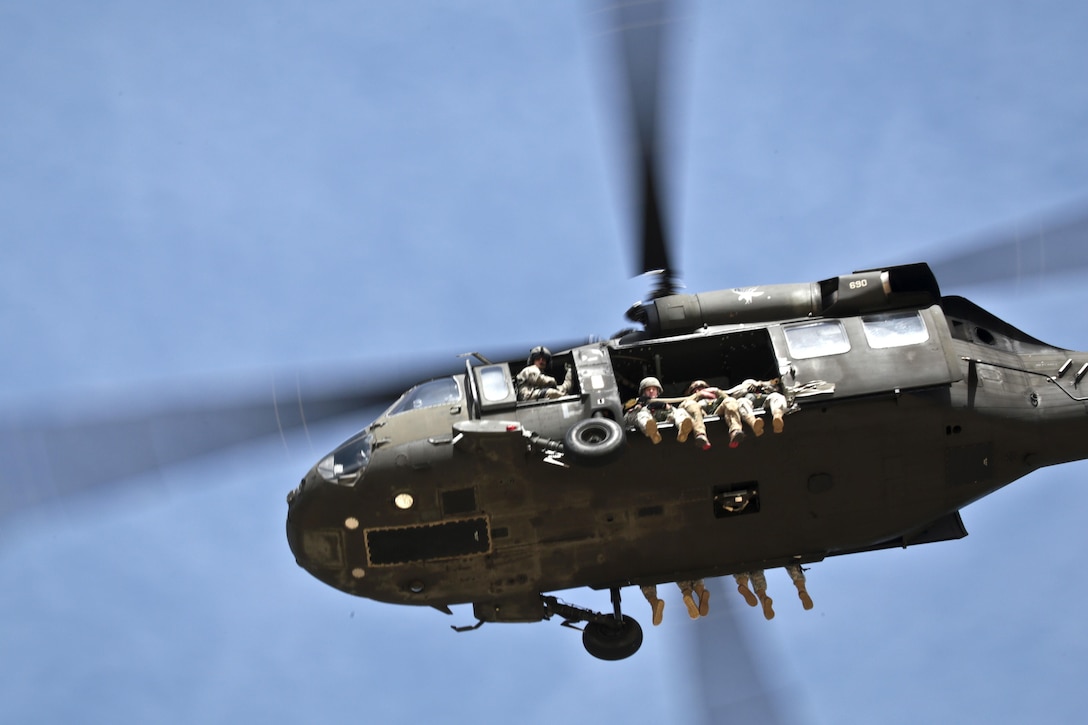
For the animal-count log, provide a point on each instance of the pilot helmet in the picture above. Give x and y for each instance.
(696, 384)
(539, 351)
(647, 382)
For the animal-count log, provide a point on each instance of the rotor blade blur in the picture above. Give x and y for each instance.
(730, 678)
(51, 454)
(1027, 250)
(641, 28)
(64, 453)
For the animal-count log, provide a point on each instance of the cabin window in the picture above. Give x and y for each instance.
(894, 329)
(816, 339)
(493, 384)
(427, 395)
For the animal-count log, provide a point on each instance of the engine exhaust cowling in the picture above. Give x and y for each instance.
(862, 292)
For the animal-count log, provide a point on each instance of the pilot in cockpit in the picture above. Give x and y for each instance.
(535, 384)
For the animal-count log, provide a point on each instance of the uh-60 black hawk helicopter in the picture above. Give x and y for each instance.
(905, 406)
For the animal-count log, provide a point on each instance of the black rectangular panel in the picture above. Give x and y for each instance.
(430, 541)
(460, 501)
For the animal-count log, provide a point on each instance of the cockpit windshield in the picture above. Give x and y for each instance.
(443, 391)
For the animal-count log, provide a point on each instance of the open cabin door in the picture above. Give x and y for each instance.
(720, 358)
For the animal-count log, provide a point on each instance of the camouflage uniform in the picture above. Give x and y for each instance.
(656, 604)
(752, 394)
(705, 400)
(533, 384)
(759, 582)
(645, 414)
(798, 577)
(691, 587)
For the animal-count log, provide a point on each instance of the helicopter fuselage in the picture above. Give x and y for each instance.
(460, 493)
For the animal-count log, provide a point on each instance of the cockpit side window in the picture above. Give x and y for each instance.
(494, 384)
(347, 463)
(443, 391)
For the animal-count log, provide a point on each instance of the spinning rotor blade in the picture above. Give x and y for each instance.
(731, 685)
(1031, 249)
(640, 27)
(730, 678)
(62, 454)
(57, 454)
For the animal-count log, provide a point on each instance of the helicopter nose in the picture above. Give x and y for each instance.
(299, 497)
(295, 492)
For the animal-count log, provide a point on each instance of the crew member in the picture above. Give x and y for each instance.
(752, 394)
(690, 589)
(534, 384)
(704, 400)
(759, 582)
(645, 412)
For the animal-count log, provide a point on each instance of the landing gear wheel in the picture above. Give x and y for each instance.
(594, 441)
(615, 641)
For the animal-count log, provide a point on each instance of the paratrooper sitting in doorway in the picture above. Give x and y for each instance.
(690, 589)
(759, 582)
(645, 412)
(752, 394)
(703, 400)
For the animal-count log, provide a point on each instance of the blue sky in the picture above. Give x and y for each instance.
(197, 198)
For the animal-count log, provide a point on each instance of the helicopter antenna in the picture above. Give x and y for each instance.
(476, 355)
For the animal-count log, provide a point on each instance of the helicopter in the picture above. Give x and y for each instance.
(464, 491)
(460, 492)
(887, 598)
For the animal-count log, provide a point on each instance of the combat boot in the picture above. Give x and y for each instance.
(689, 602)
(704, 599)
(768, 610)
(684, 430)
(747, 594)
(659, 610)
(750, 419)
(802, 594)
(651, 431)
